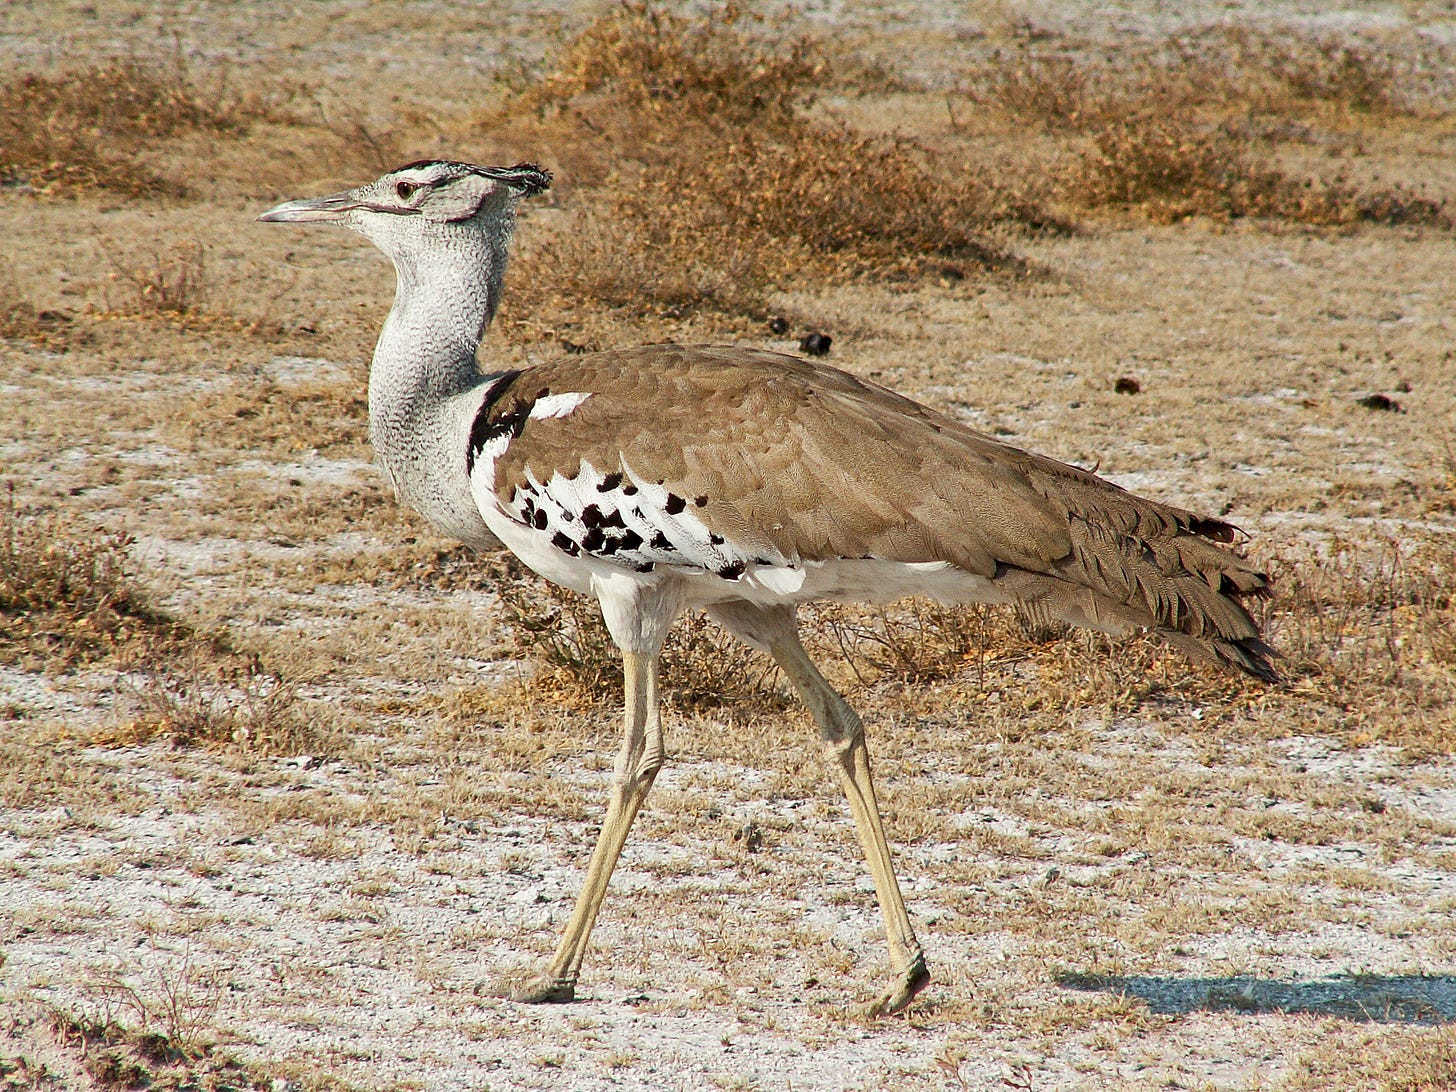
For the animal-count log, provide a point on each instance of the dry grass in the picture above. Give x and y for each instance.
(1391, 1060)
(97, 126)
(114, 1054)
(1175, 131)
(703, 182)
(21, 319)
(1369, 630)
(167, 283)
(1174, 166)
(234, 702)
(1367, 633)
(69, 594)
(563, 633)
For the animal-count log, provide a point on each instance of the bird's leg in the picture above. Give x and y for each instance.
(637, 764)
(844, 745)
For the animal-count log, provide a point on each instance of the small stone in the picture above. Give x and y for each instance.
(815, 344)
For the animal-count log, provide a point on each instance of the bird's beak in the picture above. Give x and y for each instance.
(312, 209)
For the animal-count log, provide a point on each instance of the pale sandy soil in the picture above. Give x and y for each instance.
(1228, 894)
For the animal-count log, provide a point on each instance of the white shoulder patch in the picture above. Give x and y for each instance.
(557, 405)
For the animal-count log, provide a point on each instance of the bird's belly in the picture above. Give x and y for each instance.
(535, 550)
(852, 580)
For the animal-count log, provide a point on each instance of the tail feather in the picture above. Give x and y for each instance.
(1177, 585)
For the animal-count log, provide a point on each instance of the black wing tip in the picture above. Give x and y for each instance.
(1251, 656)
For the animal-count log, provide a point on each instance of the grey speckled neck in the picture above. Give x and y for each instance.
(424, 383)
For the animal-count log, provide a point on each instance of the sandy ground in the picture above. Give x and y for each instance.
(1207, 894)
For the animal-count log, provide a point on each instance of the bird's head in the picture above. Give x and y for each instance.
(427, 192)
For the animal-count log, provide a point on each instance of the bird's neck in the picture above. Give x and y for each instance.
(424, 371)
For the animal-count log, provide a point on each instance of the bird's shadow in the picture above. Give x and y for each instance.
(1367, 998)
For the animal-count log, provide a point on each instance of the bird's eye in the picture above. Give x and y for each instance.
(406, 190)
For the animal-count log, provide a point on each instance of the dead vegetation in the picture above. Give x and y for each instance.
(97, 126)
(702, 181)
(564, 635)
(166, 284)
(1197, 126)
(69, 594)
(1367, 636)
(704, 164)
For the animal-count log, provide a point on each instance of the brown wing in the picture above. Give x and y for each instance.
(819, 465)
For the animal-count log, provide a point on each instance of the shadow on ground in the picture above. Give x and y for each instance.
(1380, 999)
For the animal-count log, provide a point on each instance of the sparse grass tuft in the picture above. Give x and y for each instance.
(21, 319)
(96, 126)
(68, 593)
(1369, 631)
(228, 702)
(563, 632)
(1390, 1059)
(169, 284)
(116, 1056)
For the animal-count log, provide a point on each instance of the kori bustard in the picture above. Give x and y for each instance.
(665, 478)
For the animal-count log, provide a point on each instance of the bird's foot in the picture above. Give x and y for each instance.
(902, 991)
(545, 989)
(540, 989)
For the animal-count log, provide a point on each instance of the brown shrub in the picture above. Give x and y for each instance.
(96, 127)
(652, 63)
(1168, 129)
(701, 183)
(68, 592)
(1173, 166)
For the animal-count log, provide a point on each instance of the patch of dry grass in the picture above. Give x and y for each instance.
(703, 182)
(1369, 632)
(170, 283)
(1173, 130)
(1390, 1059)
(234, 702)
(69, 594)
(96, 126)
(1173, 166)
(1368, 636)
(563, 632)
(21, 319)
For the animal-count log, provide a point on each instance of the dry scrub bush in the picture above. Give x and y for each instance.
(563, 632)
(67, 593)
(1174, 167)
(97, 127)
(170, 283)
(1369, 631)
(1270, 70)
(1169, 130)
(691, 149)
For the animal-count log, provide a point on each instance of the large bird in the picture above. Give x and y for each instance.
(665, 478)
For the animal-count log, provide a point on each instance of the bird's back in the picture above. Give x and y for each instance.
(735, 461)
